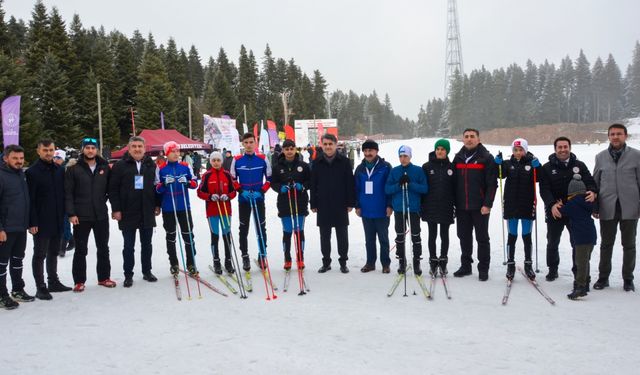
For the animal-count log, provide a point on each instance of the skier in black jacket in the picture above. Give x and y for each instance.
(439, 203)
(555, 177)
(290, 173)
(476, 184)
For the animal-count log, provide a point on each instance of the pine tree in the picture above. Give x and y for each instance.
(246, 90)
(38, 38)
(613, 99)
(155, 93)
(126, 71)
(598, 88)
(17, 34)
(568, 82)
(196, 72)
(632, 88)
(319, 104)
(516, 96)
(58, 43)
(4, 33)
(584, 94)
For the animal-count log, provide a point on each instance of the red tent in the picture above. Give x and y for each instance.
(155, 139)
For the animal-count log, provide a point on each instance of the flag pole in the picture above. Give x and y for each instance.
(99, 119)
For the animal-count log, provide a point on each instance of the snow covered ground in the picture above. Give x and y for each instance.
(345, 325)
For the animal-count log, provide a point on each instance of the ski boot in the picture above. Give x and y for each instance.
(402, 265)
(417, 270)
(528, 269)
(192, 270)
(217, 267)
(442, 263)
(246, 263)
(228, 266)
(433, 266)
(175, 270)
(511, 270)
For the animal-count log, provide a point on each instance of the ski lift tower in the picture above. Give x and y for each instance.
(453, 61)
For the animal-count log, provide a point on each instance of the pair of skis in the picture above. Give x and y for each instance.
(287, 278)
(445, 283)
(534, 283)
(176, 284)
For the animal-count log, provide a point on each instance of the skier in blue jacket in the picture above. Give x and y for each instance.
(406, 207)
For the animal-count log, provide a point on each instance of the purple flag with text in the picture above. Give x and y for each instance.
(11, 120)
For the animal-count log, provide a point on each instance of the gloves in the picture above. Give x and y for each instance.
(169, 180)
(299, 186)
(535, 163)
(498, 158)
(258, 195)
(224, 197)
(284, 189)
(183, 180)
(404, 179)
(215, 197)
(246, 194)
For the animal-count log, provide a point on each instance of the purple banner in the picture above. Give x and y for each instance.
(11, 120)
(273, 137)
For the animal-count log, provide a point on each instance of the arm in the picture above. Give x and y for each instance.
(313, 201)
(545, 188)
(357, 183)
(276, 182)
(114, 188)
(69, 189)
(267, 176)
(491, 182)
(391, 187)
(350, 186)
(203, 189)
(33, 193)
(420, 185)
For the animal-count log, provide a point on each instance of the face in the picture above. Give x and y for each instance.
(216, 163)
(174, 155)
(14, 160)
(470, 140)
(46, 152)
(563, 150)
(441, 153)
(617, 138)
(249, 145)
(58, 161)
(136, 150)
(518, 152)
(370, 154)
(90, 152)
(405, 160)
(328, 147)
(289, 152)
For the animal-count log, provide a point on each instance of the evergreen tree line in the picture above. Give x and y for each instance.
(55, 68)
(574, 92)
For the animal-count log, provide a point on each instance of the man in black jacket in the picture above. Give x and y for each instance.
(86, 184)
(135, 204)
(46, 218)
(332, 198)
(554, 181)
(476, 184)
(14, 221)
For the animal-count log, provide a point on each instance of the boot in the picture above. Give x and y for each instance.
(7, 303)
(464, 270)
(128, 282)
(324, 268)
(63, 248)
(553, 274)
(601, 283)
(56, 286)
(433, 266)
(402, 265)
(228, 266)
(42, 293)
(246, 262)
(511, 269)
(578, 291)
(628, 286)
(528, 269)
(417, 270)
(442, 263)
(147, 277)
(217, 267)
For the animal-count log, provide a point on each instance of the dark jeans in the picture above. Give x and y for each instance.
(101, 236)
(45, 248)
(342, 235)
(608, 231)
(12, 252)
(244, 215)
(401, 227)
(379, 227)
(583, 255)
(444, 239)
(169, 224)
(129, 236)
(469, 221)
(554, 233)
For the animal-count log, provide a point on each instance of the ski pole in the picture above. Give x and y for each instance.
(187, 214)
(535, 212)
(264, 264)
(394, 245)
(227, 225)
(404, 223)
(299, 247)
(504, 247)
(184, 264)
(293, 225)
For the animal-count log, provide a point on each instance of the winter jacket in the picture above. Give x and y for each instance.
(46, 192)
(372, 206)
(175, 196)
(252, 172)
(417, 187)
(86, 192)
(519, 192)
(14, 200)
(476, 178)
(583, 230)
(216, 181)
(286, 173)
(332, 190)
(226, 163)
(618, 182)
(555, 178)
(136, 205)
(438, 204)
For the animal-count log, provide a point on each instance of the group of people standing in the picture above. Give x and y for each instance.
(443, 191)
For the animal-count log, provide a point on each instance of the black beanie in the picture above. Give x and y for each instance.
(370, 144)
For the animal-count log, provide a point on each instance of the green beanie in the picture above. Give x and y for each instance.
(444, 143)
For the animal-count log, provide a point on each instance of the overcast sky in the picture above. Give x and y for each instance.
(392, 46)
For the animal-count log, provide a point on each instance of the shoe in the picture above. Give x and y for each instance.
(417, 270)
(628, 286)
(601, 284)
(107, 283)
(57, 287)
(193, 271)
(42, 293)
(386, 269)
(511, 270)
(217, 267)
(442, 263)
(367, 268)
(175, 270)
(22, 296)
(462, 272)
(552, 275)
(149, 277)
(433, 266)
(483, 275)
(287, 265)
(344, 268)
(246, 263)
(128, 282)
(578, 291)
(228, 266)
(78, 288)
(7, 303)
(528, 269)
(324, 268)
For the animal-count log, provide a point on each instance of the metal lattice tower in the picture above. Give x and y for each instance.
(453, 60)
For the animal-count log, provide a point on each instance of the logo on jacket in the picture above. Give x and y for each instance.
(432, 172)
(282, 171)
(449, 172)
(527, 168)
(576, 170)
(299, 168)
(553, 171)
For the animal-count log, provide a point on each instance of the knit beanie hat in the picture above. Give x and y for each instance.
(444, 143)
(216, 155)
(520, 142)
(404, 150)
(370, 144)
(60, 154)
(576, 186)
(170, 147)
(88, 141)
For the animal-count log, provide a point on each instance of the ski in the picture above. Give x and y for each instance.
(432, 283)
(535, 284)
(425, 291)
(397, 281)
(206, 283)
(224, 280)
(247, 277)
(176, 284)
(507, 291)
(265, 273)
(445, 284)
(287, 277)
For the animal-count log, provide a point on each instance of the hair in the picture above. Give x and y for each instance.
(136, 138)
(472, 130)
(330, 137)
(561, 139)
(617, 126)
(44, 142)
(13, 148)
(247, 136)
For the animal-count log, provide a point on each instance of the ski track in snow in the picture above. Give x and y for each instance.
(345, 325)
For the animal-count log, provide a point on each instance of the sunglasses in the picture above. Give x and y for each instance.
(90, 140)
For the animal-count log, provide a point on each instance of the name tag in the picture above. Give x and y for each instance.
(138, 182)
(368, 187)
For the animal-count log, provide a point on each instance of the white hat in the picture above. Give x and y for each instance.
(60, 154)
(404, 150)
(520, 142)
(216, 155)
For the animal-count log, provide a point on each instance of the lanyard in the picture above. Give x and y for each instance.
(369, 173)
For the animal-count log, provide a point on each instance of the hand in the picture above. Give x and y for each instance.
(117, 216)
(595, 215)
(359, 212)
(74, 220)
(183, 180)
(246, 194)
(33, 230)
(284, 189)
(214, 197)
(498, 158)
(349, 209)
(224, 197)
(299, 186)
(389, 211)
(485, 210)
(404, 179)
(3, 236)
(535, 163)
(590, 197)
(555, 210)
(169, 180)
(157, 211)
(314, 210)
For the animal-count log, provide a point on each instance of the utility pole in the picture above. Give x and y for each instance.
(285, 105)
(190, 131)
(99, 119)
(453, 59)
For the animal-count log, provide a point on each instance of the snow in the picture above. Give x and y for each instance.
(633, 126)
(346, 324)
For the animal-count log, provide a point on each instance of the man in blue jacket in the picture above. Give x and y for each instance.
(373, 205)
(406, 206)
